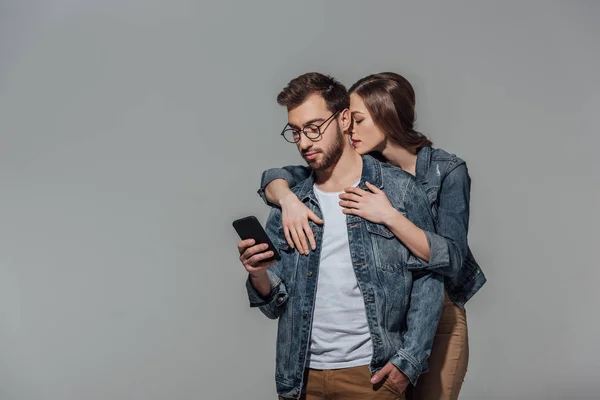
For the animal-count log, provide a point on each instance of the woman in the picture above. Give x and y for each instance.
(383, 112)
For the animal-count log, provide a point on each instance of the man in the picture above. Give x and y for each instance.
(354, 323)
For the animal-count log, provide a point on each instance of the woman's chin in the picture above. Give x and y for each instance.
(361, 150)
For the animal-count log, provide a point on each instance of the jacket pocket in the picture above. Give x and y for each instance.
(388, 252)
(379, 229)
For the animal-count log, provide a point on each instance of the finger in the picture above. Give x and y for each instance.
(355, 190)
(310, 235)
(349, 204)
(260, 268)
(382, 373)
(352, 211)
(350, 197)
(302, 237)
(373, 188)
(288, 237)
(244, 244)
(312, 216)
(250, 251)
(296, 239)
(257, 258)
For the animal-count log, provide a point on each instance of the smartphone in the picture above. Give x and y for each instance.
(250, 228)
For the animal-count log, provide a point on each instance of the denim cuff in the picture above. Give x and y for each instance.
(439, 254)
(277, 296)
(269, 176)
(409, 366)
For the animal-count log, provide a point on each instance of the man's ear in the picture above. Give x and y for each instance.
(345, 121)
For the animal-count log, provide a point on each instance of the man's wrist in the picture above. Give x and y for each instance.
(257, 276)
(261, 283)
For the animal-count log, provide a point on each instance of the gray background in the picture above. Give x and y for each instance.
(134, 131)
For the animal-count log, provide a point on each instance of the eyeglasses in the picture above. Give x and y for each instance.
(311, 131)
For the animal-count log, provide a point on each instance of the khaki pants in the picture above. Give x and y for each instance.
(448, 360)
(346, 384)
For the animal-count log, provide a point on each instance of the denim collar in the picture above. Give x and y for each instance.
(423, 164)
(371, 172)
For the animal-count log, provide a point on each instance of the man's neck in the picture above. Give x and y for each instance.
(346, 172)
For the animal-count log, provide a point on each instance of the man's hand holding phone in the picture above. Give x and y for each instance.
(253, 255)
(253, 258)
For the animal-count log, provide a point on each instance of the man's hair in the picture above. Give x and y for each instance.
(298, 89)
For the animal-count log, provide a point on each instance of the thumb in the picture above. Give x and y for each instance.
(314, 218)
(382, 373)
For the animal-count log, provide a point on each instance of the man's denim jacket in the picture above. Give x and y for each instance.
(402, 307)
(446, 180)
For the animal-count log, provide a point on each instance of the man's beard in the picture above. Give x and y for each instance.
(331, 155)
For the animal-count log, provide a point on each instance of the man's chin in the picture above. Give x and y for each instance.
(313, 164)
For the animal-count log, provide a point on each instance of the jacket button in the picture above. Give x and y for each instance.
(305, 315)
(309, 273)
(280, 299)
(301, 356)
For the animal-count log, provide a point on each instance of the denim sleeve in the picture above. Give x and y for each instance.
(272, 305)
(292, 174)
(425, 301)
(448, 245)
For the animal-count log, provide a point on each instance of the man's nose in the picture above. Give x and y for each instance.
(304, 143)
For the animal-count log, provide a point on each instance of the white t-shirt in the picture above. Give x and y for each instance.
(340, 333)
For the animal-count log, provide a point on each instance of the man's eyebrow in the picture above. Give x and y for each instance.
(312, 121)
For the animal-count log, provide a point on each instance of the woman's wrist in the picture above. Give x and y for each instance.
(394, 219)
(286, 198)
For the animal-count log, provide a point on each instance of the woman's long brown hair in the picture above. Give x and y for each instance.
(390, 98)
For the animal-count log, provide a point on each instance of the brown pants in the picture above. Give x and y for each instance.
(346, 384)
(448, 360)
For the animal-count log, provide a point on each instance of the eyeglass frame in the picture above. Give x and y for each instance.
(290, 128)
